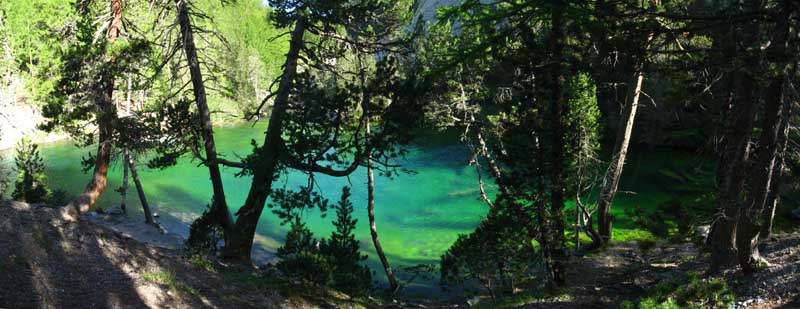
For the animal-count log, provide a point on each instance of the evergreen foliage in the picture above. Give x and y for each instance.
(498, 255)
(205, 235)
(334, 262)
(343, 251)
(31, 183)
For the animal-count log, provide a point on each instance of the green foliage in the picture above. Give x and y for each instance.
(343, 251)
(205, 234)
(686, 292)
(498, 255)
(30, 31)
(31, 184)
(3, 174)
(301, 259)
(334, 262)
(167, 277)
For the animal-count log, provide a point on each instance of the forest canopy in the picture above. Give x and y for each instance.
(558, 111)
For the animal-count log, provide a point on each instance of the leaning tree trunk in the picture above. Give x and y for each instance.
(373, 229)
(625, 129)
(148, 215)
(105, 125)
(558, 110)
(614, 172)
(220, 206)
(124, 190)
(241, 239)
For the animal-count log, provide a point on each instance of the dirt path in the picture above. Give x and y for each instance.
(628, 271)
(48, 263)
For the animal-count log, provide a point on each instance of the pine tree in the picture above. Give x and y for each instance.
(343, 251)
(31, 184)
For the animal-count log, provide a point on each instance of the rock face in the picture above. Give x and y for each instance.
(428, 8)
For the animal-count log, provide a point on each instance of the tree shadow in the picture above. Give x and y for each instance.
(53, 263)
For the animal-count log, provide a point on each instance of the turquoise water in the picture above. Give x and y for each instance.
(418, 215)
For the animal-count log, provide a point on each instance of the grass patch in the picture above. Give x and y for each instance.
(522, 299)
(201, 261)
(167, 278)
(686, 292)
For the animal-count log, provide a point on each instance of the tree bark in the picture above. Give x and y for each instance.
(106, 114)
(624, 131)
(773, 196)
(268, 156)
(747, 232)
(148, 215)
(614, 172)
(731, 168)
(124, 189)
(558, 108)
(373, 229)
(220, 205)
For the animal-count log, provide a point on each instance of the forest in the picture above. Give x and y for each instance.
(399, 153)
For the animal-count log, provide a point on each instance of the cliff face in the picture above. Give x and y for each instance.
(428, 8)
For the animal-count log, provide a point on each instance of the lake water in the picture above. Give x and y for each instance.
(418, 215)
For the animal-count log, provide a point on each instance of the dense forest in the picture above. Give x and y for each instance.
(399, 153)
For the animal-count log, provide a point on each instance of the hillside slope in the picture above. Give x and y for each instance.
(48, 263)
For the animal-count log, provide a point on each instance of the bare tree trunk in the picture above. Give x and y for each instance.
(625, 129)
(220, 205)
(241, 240)
(373, 229)
(148, 215)
(614, 172)
(105, 122)
(124, 189)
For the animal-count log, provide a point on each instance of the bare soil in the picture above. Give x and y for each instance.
(46, 262)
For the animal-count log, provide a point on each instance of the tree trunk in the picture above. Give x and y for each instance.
(558, 108)
(624, 131)
(241, 240)
(220, 206)
(124, 189)
(731, 168)
(614, 172)
(765, 168)
(148, 215)
(106, 114)
(773, 196)
(373, 229)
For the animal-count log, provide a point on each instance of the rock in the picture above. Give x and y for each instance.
(701, 231)
(473, 301)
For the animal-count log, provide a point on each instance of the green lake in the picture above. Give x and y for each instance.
(419, 215)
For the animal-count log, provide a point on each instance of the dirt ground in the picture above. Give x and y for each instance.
(46, 262)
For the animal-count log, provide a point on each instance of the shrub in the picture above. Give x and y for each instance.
(498, 254)
(30, 185)
(333, 262)
(300, 257)
(205, 234)
(342, 251)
